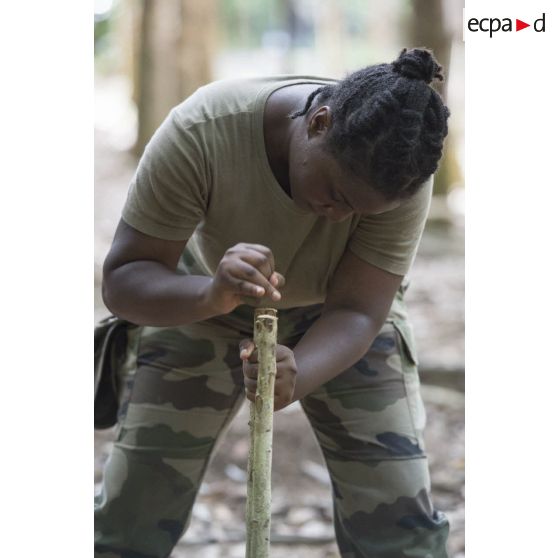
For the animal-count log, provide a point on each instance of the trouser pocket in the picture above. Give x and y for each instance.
(111, 352)
(409, 368)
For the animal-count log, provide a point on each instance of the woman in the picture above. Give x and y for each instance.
(309, 195)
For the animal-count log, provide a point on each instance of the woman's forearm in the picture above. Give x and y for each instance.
(148, 293)
(336, 341)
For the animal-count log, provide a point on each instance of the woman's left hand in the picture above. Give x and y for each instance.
(284, 380)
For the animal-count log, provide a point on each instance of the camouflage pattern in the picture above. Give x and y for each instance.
(184, 387)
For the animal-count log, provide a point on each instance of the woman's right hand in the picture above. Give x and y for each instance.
(245, 271)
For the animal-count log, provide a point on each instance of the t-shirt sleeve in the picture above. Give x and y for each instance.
(390, 240)
(168, 195)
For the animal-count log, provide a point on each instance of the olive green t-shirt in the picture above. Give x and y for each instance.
(204, 176)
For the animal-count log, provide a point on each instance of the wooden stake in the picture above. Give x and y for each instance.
(258, 506)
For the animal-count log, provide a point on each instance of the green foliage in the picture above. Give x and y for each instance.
(101, 35)
(245, 21)
(107, 53)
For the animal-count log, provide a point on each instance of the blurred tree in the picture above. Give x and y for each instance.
(429, 28)
(331, 36)
(299, 22)
(172, 51)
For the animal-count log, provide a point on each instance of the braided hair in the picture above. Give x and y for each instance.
(388, 124)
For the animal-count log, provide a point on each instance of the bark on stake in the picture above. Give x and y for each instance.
(258, 506)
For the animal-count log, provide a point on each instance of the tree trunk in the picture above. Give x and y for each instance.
(428, 28)
(176, 44)
(330, 37)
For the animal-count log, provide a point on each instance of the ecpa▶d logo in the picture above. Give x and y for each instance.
(493, 25)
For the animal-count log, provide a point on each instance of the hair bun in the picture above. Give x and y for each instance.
(418, 63)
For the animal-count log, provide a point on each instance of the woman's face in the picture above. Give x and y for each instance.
(319, 184)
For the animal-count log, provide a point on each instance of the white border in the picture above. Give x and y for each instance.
(511, 237)
(46, 51)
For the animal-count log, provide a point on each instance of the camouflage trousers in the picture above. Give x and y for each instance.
(185, 386)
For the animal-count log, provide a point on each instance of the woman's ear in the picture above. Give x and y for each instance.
(319, 121)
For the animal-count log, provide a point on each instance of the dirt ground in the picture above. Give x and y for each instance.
(302, 516)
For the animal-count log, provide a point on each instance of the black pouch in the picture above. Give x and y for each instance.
(111, 345)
